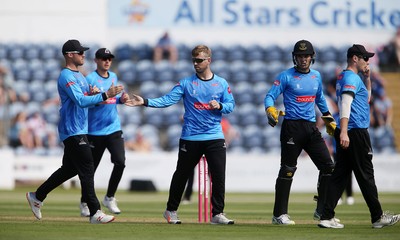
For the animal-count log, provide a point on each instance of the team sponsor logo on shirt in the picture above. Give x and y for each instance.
(110, 101)
(305, 99)
(229, 90)
(349, 87)
(69, 84)
(277, 82)
(201, 106)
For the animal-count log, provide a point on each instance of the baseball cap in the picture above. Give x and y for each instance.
(303, 47)
(104, 53)
(359, 50)
(73, 45)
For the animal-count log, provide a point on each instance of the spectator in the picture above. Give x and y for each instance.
(44, 135)
(20, 134)
(7, 96)
(389, 55)
(165, 47)
(139, 143)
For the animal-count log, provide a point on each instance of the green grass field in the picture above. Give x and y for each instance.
(141, 218)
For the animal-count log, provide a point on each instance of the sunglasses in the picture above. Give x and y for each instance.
(198, 60)
(365, 58)
(105, 59)
(77, 52)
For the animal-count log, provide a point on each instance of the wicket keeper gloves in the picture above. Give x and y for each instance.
(329, 123)
(273, 114)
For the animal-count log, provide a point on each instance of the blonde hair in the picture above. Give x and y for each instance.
(201, 48)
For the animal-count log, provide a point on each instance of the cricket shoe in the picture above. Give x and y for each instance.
(221, 219)
(331, 223)
(386, 219)
(84, 209)
(317, 217)
(111, 204)
(34, 204)
(283, 219)
(172, 217)
(101, 218)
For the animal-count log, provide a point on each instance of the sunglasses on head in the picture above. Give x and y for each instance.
(365, 58)
(198, 60)
(77, 52)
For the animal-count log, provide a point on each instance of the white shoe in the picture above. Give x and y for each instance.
(172, 217)
(34, 204)
(331, 223)
(349, 200)
(317, 217)
(84, 209)
(221, 219)
(111, 204)
(101, 217)
(283, 219)
(386, 219)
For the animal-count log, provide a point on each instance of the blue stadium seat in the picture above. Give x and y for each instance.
(239, 71)
(247, 114)
(255, 52)
(221, 68)
(184, 52)
(273, 69)
(274, 53)
(258, 71)
(123, 51)
(235, 52)
(16, 51)
(130, 115)
(3, 51)
(271, 138)
(149, 89)
(173, 134)
(142, 51)
(31, 51)
(151, 133)
(243, 92)
(327, 54)
(164, 71)
(173, 115)
(49, 51)
(166, 86)
(153, 116)
(252, 137)
(126, 71)
(145, 71)
(219, 52)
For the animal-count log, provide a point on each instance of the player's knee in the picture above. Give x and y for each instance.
(287, 172)
(327, 170)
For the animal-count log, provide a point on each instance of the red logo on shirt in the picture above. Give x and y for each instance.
(349, 87)
(229, 90)
(69, 84)
(277, 83)
(305, 99)
(201, 106)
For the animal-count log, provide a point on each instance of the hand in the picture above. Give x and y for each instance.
(214, 104)
(135, 100)
(330, 124)
(124, 97)
(93, 90)
(344, 140)
(273, 114)
(114, 90)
